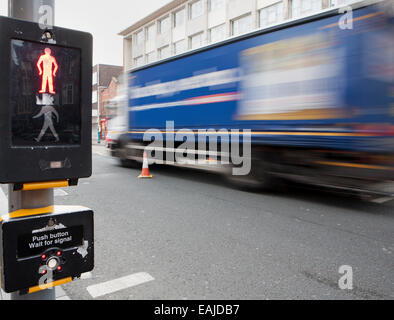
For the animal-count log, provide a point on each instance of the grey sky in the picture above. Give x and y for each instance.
(102, 18)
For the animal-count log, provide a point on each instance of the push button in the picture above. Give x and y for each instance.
(52, 263)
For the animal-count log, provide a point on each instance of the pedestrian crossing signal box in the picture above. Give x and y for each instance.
(38, 251)
(45, 103)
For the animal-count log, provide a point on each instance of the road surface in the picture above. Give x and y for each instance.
(187, 235)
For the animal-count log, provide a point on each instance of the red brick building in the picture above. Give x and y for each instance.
(107, 95)
(102, 77)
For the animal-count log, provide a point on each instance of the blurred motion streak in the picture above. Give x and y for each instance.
(318, 99)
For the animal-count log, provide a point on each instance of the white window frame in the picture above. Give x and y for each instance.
(249, 16)
(278, 7)
(150, 27)
(139, 40)
(184, 46)
(160, 50)
(216, 28)
(175, 25)
(304, 12)
(191, 5)
(138, 61)
(201, 34)
(218, 4)
(95, 78)
(147, 60)
(159, 25)
(95, 96)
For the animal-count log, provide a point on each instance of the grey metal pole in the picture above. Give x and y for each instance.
(35, 11)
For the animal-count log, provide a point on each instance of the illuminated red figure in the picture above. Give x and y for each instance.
(50, 68)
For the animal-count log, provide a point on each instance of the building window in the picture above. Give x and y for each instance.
(94, 82)
(150, 57)
(68, 94)
(196, 9)
(164, 52)
(271, 15)
(179, 18)
(139, 38)
(164, 25)
(217, 33)
(215, 4)
(139, 61)
(150, 33)
(180, 46)
(94, 96)
(241, 25)
(304, 7)
(196, 41)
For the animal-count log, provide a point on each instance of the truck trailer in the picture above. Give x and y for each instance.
(309, 99)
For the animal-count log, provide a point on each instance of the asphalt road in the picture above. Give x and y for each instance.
(194, 237)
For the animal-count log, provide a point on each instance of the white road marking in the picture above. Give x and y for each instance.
(112, 286)
(61, 294)
(100, 154)
(86, 275)
(60, 193)
(382, 200)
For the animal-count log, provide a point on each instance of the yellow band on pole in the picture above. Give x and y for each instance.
(45, 185)
(30, 212)
(49, 285)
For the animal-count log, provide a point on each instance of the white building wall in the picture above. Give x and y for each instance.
(150, 46)
(225, 15)
(239, 8)
(217, 17)
(196, 25)
(179, 33)
(138, 50)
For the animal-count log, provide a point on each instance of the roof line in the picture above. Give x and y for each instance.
(154, 15)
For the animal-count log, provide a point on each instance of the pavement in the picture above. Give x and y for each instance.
(187, 235)
(59, 293)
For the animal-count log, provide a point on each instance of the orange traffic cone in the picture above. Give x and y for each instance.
(145, 168)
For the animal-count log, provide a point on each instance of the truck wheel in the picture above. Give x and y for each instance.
(258, 179)
(250, 182)
(124, 162)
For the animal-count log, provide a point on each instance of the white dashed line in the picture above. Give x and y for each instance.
(60, 193)
(100, 154)
(112, 286)
(86, 275)
(61, 294)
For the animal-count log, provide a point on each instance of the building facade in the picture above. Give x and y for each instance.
(102, 77)
(108, 97)
(184, 25)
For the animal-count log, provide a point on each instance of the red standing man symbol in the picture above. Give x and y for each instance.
(47, 71)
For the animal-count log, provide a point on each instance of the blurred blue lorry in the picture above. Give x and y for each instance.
(313, 97)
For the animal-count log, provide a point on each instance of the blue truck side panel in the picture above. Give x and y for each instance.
(235, 86)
